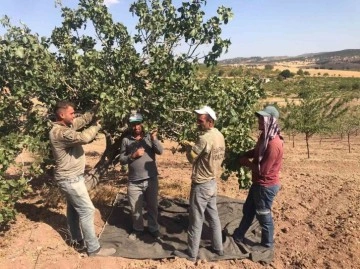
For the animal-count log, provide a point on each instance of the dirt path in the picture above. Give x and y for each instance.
(316, 214)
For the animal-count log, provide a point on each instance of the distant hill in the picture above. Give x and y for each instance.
(338, 60)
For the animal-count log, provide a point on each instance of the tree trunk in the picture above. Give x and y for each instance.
(293, 141)
(348, 136)
(100, 170)
(307, 145)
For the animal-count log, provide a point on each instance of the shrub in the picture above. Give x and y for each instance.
(356, 86)
(269, 67)
(300, 72)
(236, 72)
(286, 74)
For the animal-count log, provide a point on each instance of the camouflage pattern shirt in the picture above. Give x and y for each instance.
(66, 144)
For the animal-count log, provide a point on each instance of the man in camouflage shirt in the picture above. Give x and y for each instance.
(66, 143)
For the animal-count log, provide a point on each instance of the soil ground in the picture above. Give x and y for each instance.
(316, 213)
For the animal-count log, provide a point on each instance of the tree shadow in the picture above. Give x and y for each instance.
(44, 214)
(42, 203)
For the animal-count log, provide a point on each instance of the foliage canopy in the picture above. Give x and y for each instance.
(105, 64)
(314, 113)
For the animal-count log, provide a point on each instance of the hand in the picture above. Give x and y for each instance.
(244, 161)
(96, 106)
(138, 153)
(98, 123)
(6, 91)
(153, 134)
(186, 143)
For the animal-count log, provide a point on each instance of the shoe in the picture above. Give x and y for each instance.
(184, 254)
(156, 234)
(135, 235)
(238, 240)
(260, 248)
(102, 252)
(78, 245)
(262, 254)
(219, 252)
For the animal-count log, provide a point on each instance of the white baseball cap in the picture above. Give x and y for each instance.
(206, 110)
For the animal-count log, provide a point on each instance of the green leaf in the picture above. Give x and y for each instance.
(19, 52)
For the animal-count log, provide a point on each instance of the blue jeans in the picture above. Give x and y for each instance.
(258, 203)
(80, 212)
(203, 206)
(138, 191)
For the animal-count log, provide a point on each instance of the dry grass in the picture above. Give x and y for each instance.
(174, 189)
(295, 66)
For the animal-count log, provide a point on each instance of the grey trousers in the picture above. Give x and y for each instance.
(203, 206)
(138, 192)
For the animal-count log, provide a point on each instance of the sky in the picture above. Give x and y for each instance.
(258, 28)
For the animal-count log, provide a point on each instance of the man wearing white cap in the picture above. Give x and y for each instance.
(138, 150)
(206, 155)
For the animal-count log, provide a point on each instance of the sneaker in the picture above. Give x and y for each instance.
(219, 252)
(238, 240)
(103, 252)
(184, 254)
(78, 245)
(135, 235)
(262, 254)
(260, 248)
(156, 234)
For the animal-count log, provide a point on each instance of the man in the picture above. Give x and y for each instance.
(267, 161)
(138, 150)
(66, 142)
(206, 155)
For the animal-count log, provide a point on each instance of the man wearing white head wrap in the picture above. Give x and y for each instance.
(266, 164)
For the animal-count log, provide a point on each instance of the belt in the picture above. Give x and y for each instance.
(196, 183)
(72, 179)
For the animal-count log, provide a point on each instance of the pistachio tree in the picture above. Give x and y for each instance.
(90, 58)
(314, 113)
(349, 124)
(27, 70)
(289, 119)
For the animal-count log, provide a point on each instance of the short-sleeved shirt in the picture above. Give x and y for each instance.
(210, 148)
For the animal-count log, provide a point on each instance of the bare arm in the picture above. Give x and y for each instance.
(191, 155)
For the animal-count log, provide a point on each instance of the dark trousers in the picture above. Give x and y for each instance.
(258, 203)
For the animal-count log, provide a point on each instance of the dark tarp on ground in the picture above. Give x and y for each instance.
(173, 221)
